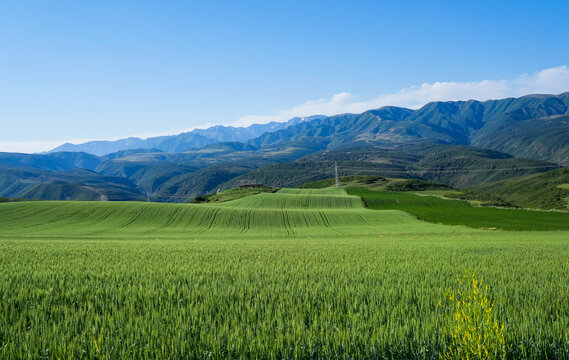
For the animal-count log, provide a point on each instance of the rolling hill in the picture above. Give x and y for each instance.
(288, 212)
(453, 165)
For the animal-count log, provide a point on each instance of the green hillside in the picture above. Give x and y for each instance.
(314, 212)
(458, 212)
(299, 199)
(78, 184)
(180, 177)
(232, 194)
(60, 191)
(378, 183)
(452, 165)
(292, 212)
(184, 187)
(549, 190)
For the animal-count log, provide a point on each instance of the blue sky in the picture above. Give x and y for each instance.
(72, 70)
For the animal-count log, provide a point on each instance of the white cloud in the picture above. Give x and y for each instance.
(549, 81)
(28, 146)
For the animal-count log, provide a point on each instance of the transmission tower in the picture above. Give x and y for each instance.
(336, 170)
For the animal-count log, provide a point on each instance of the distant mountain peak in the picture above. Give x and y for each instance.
(184, 141)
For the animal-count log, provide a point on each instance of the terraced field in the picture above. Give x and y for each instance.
(320, 277)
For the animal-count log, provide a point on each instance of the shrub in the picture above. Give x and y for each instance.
(474, 331)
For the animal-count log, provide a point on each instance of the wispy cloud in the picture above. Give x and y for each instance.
(549, 81)
(166, 133)
(30, 147)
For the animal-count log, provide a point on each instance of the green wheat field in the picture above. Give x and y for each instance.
(296, 274)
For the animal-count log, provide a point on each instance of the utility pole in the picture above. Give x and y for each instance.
(336, 170)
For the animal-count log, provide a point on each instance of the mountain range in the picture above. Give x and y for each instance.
(182, 142)
(459, 143)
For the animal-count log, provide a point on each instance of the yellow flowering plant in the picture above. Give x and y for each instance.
(474, 331)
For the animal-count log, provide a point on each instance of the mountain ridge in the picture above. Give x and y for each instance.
(196, 138)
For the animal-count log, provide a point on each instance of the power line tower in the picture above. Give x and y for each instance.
(336, 170)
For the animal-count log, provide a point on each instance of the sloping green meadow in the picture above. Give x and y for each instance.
(321, 278)
(457, 212)
(319, 199)
(263, 215)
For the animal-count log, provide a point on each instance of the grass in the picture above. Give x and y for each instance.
(380, 183)
(458, 212)
(547, 190)
(134, 280)
(232, 194)
(301, 199)
(353, 180)
(311, 213)
(241, 298)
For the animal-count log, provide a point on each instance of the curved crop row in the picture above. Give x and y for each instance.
(296, 201)
(306, 213)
